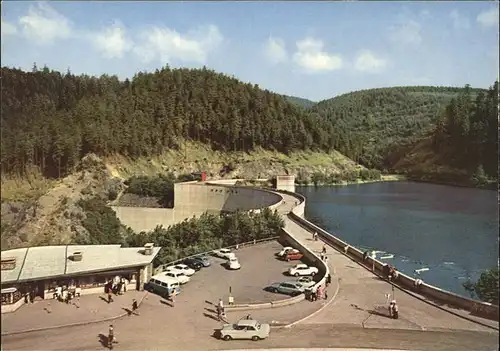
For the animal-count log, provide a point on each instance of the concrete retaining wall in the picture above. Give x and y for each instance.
(478, 308)
(147, 218)
(192, 199)
(221, 197)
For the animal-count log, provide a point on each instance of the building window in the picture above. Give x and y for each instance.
(10, 296)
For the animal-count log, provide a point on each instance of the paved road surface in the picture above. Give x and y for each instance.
(149, 335)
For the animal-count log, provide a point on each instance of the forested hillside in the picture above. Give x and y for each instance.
(299, 101)
(51, 120)
(464, 142)
(369, 124)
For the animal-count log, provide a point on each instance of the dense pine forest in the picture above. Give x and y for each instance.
(50, 120)
(469, 127)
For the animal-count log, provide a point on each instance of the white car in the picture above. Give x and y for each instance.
(285, 250)
(179, 276)
(302, 269)
(182, 268)
(306, 281)
(233, 263)
(224, 253)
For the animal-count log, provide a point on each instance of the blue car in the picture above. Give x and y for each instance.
(204, 260)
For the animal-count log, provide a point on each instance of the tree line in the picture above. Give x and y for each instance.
(370, 124)
(209, 232)
(50, 119)
(469, 127)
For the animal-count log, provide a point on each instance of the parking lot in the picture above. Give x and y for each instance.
(192, 317)
(259, 269)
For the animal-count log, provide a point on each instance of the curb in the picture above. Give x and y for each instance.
(75, 324)
(318, 311)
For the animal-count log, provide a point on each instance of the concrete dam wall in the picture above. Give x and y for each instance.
(193, 199)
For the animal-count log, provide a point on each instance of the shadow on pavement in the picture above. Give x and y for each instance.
(210, 310)
(103, 339)
(165, 302)
(103, 299)
(377, 313)
(211, 317)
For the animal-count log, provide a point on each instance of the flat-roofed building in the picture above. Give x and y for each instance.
(40, 270)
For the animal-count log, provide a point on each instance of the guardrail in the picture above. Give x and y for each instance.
(475, 307)
(162, 267)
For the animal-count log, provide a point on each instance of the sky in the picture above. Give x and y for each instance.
(314, 50)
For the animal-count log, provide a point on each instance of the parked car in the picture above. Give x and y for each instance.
(162, 285)
(284, 251)
(193, 264)
(289, 288)
(302, 269)
(181, 277)
(224, 253)
(203, 259)
(306, 281)
(233, 263)
(245, 329)
(180, 267)
(292, 255)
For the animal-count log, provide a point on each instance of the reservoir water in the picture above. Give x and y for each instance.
(452, 231)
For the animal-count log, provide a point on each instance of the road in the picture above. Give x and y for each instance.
(150, 335)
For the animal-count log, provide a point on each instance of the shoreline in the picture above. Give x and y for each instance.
(401, 177)
(384, 178)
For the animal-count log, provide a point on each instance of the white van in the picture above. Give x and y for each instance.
(163, 285)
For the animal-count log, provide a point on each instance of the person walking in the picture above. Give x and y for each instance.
(110, 296)
(134, 305)
(173, 294)
(323, 250)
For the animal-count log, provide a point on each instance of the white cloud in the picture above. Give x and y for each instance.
(165, 44)
(459, 21)
(112, 41)
(275, 50)
(312, 58)
(366, 61)
(407, 33)
(488, 18)
(43, 24)
(8, 29)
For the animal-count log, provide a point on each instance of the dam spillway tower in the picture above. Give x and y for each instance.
(285, 182)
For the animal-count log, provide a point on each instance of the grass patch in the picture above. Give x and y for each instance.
(29, 187)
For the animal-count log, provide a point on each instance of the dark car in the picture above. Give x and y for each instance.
(203, 259)
(194, 264)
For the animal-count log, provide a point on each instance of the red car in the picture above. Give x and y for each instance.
(293, 255)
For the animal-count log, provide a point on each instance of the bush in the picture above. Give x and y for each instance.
(486, 288)
(209, 232)
(160, 186)
(101, 223)
(112, 195)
